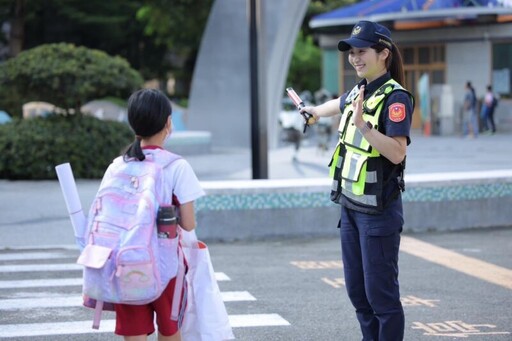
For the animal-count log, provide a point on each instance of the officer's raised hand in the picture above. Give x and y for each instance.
(358, 110)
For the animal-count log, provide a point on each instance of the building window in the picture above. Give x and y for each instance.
(501, 66)
(417, 61)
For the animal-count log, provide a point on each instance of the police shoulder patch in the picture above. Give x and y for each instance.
(396, 112)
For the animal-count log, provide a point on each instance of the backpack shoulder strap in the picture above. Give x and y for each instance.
(164, 159)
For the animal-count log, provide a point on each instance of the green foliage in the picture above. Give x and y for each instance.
(66, 76)
(178, 24)
(305, 66)
(31, 148)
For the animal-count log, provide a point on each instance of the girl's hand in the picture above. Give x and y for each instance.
(358, 109)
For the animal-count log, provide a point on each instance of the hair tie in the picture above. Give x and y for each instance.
(138, 137)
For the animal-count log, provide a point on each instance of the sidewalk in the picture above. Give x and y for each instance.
(34, 212)
(425, 155)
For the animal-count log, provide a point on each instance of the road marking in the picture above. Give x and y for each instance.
(40, 283)
(456, 329)
(452, 260)
(334, 282)
(59, 301)
(30, 256)
(41, 303)
(40, 267)
(219, 276)
(55, 328)
(257, 320)
(411, 301)
(236, 296)
(307, 265)
(108, 326)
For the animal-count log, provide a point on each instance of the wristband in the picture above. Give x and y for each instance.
(366, 128)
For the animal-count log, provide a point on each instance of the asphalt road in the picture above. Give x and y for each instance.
(454, 286)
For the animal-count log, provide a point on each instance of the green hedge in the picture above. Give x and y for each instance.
(31, 148)
(64, 75)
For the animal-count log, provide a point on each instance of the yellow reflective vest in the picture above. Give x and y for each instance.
(356, 167)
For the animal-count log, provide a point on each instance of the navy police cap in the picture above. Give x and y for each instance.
(367, 34)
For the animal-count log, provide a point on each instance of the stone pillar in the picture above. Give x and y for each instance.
(220, 95)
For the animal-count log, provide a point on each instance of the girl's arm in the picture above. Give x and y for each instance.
(187, 216)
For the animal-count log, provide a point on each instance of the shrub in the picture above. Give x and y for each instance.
(64, 75)
(31, 148)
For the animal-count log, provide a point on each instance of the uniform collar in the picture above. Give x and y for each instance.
(376, 84)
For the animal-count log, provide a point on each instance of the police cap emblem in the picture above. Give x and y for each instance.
(356, 30)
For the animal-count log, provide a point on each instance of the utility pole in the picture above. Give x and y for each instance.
(257, 56)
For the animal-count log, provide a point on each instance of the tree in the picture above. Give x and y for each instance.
(66, 76)
(177, 25)
(157, 37)
(305, 66)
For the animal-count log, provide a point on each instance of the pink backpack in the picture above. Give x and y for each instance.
(124, 260)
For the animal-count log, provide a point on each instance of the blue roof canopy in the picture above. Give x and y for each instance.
(406, 10)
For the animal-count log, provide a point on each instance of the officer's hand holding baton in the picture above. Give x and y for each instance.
(309, 118)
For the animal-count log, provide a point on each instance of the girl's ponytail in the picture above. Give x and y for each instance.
(134, 151)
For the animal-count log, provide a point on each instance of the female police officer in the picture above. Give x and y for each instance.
(367, 169)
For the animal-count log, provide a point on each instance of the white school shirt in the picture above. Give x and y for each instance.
(180, 175)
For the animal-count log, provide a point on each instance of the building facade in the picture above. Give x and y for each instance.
(447, 42)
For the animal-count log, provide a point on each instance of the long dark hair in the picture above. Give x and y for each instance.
(148, 111)
(394, 63)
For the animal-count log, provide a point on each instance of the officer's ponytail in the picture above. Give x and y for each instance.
(394, 63)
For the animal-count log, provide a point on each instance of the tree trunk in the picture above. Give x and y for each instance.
(17, 35)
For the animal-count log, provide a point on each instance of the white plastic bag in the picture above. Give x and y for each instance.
(206, 318)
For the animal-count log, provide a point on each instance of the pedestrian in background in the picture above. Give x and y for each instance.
(488, 106)
(367, 169)
(469, 113)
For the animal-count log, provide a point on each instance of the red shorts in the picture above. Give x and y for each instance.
(132, 320)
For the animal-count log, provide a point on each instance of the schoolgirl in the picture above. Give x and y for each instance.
(149, 115)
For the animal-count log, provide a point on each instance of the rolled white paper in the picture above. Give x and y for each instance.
(70, 192)
(68, 186)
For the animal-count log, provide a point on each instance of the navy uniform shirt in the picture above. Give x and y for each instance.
(395, 120)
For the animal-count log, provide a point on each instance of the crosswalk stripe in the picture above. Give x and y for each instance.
(236, 296)
(60, 301)
(31, 256)
(55, 328)
(64, 282)
(44, 302)
(28, 300)
(40, 283)
(40, 267)
(107, 326)
(257, 320)
(219, 276)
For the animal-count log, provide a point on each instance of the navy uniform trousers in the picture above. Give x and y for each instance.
(370, 246)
